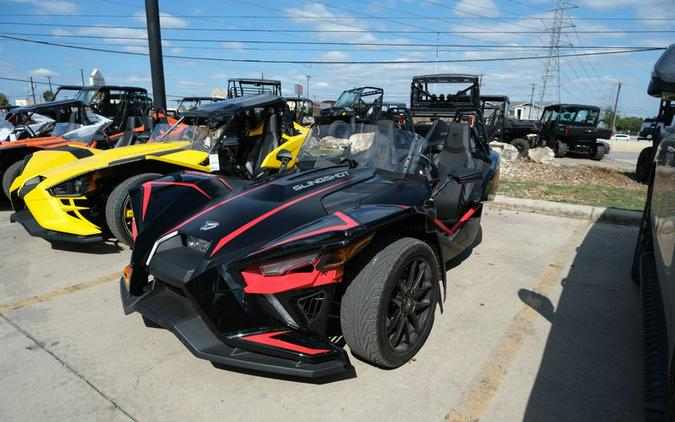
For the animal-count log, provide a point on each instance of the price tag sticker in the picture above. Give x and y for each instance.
(214, 162)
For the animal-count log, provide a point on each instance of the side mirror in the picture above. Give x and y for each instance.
(285, 156)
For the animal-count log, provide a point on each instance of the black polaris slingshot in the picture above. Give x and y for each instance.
(351, 246)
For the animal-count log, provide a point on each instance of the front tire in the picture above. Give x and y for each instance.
(599, 153)
(10, 175)
(118, 210)
(388, 309)
(644, 164)
(561, 149)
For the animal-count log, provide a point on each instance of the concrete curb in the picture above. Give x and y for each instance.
(584, 212)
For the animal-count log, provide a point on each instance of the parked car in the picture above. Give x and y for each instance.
(352, 244)
(574, 128)
(654, 260)
(86, 200)
(620, 137)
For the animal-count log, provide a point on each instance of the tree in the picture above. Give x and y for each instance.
(628, 124)
(607, 116)
(48, 95)
(3, 99)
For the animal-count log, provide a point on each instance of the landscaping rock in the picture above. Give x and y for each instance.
(506, 151)
(543, 155)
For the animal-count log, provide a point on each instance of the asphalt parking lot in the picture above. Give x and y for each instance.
(541, 322)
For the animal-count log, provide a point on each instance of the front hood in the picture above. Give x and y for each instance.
(106, 158)
(264, 212)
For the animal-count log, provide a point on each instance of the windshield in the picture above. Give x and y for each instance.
(61, 128)
(201, 137)
(346, 99)
(86, 95)
(65, 93)
(380, 146)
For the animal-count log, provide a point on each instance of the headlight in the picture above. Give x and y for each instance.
(29, 185)
(73, 187)
(197, 243)
(288, 265)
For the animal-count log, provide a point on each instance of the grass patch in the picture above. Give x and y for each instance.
(594, 195)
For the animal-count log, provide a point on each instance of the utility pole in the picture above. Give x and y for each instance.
(308, 78)
(155, 46)
(49, 78)
(529, 113)
(480, 80)
(82, 76)
(32, 89)
(551, 74)
(616, 104)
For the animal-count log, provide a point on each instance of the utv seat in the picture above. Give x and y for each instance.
(455, 153)
(269, 142)
(128, 134)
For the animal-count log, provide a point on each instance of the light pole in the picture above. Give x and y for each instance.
(308, 78)
(155, 47)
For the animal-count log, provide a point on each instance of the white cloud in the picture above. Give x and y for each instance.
(318, 10)
(166, 20)
(50, 6)
(237, 46)
(473, 7)
(42, 72)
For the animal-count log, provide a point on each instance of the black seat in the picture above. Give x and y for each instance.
(128, 134)
(456, 153)
(269, 142)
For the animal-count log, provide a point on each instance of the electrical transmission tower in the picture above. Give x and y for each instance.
(551, 77)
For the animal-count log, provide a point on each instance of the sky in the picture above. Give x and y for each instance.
(429, 30)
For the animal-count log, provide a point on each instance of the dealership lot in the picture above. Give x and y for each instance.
(541, 322)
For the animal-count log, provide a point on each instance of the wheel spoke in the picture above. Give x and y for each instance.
(411, 276)
(422, 305)
(394, 322)
(422, 290)
(412, 317)
(408, 332)
(399, 331)
(421, 270)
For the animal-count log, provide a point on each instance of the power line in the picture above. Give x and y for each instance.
(412, 17)
(329, 62)
(345, 43)
(340, 31)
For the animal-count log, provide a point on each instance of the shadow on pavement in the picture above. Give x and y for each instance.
(103, 248)
(591, 368)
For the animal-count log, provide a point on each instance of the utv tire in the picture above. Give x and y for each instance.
(115, 208)
(11, 173)
(644, 164)
(522, 146)
(375, 314)
(561, 149)
(599, 153)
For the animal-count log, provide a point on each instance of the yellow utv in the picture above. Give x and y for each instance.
(81, 194)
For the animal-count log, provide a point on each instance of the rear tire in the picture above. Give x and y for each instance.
(388, 309)
(522, 146)
(10, 175)
(644, 165)
(117, 206)
(561, 149)
(598, 153)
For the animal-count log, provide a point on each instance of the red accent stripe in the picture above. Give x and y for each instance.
(199, 214)
(349, 223)
(451, 231)
(269, 340)
(147, 187)
(222, 242)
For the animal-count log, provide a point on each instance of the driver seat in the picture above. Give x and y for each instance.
(269, 142)
(455, 153)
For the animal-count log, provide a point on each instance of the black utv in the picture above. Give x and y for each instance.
(574, 128)
(522, 134)
(242, 87)
(359, 105)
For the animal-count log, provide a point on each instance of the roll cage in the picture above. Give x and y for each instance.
(241, 87)
(426, 100)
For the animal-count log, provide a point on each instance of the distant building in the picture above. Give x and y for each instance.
(524, 110)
